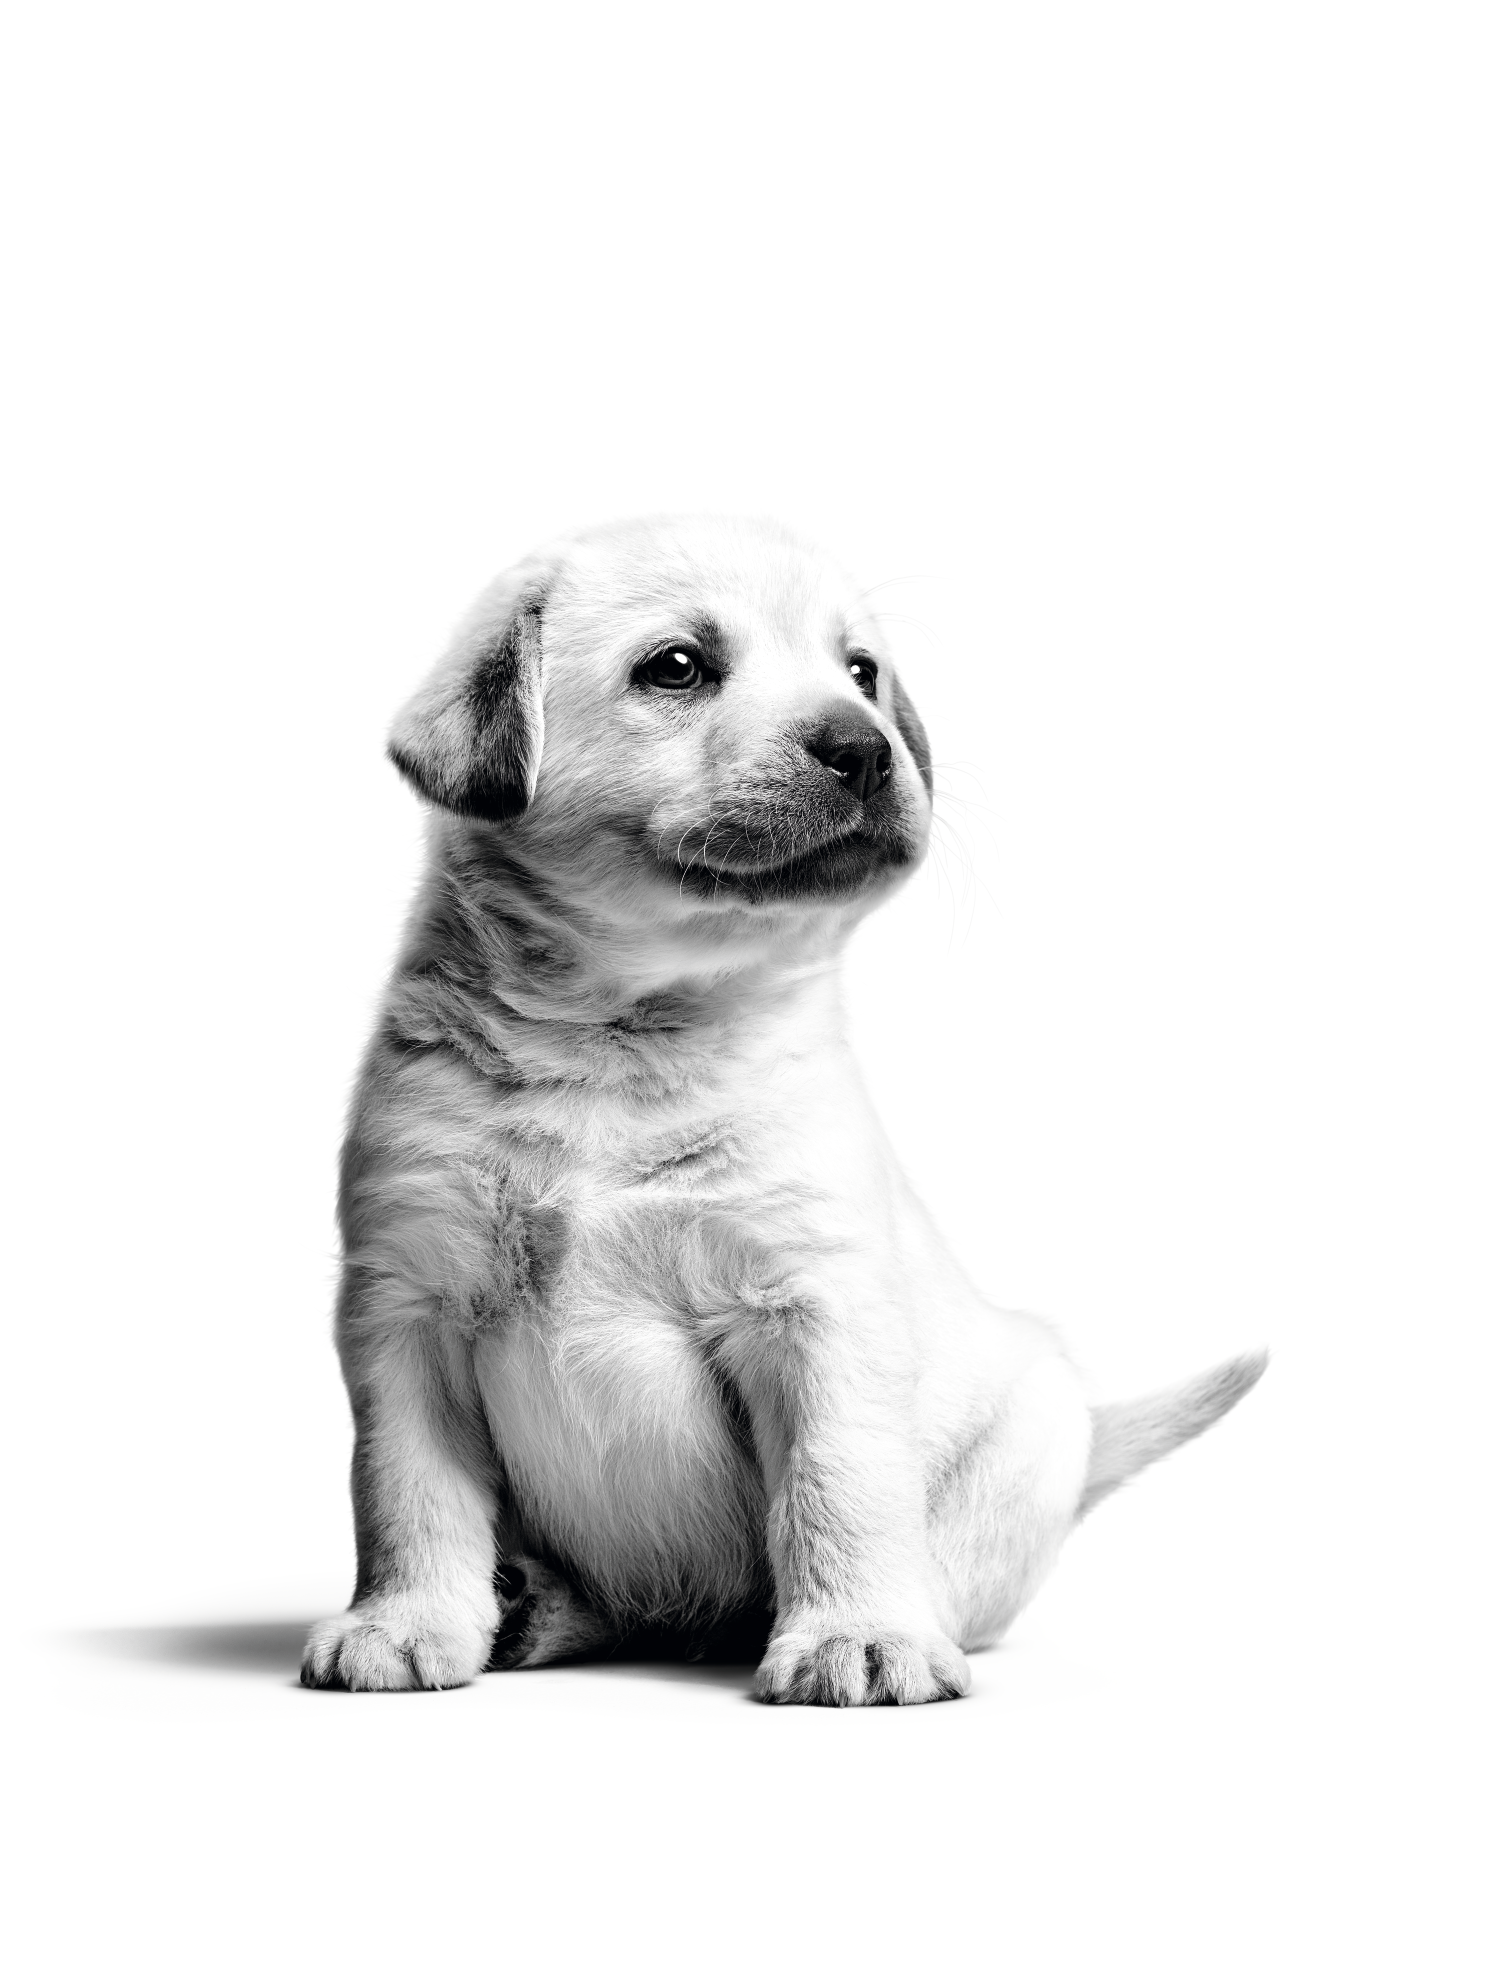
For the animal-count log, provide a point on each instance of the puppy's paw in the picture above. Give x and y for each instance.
(391, 1644)
(543, 1621)
(860, 1667)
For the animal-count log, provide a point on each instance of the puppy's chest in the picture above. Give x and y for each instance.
(705, 1159)
(673, 1175)
(675, 1218)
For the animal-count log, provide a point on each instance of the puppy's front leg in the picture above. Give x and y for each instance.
(424, 1611)
(858, 1609)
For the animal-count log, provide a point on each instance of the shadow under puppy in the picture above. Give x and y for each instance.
(641, 1323)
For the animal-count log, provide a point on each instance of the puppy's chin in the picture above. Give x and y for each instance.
(843, 870)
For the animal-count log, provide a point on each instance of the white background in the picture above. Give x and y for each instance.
(1134, 352)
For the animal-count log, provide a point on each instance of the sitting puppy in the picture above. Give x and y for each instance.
(642, 1326)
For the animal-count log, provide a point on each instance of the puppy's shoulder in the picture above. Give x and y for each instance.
(419, 1104)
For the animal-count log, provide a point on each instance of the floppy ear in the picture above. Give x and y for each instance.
(470, 738)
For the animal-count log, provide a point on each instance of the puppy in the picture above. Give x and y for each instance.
(643, 1328)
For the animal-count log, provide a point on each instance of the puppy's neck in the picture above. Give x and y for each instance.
(537, 984)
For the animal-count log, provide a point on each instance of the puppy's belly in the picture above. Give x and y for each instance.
(626, 1460)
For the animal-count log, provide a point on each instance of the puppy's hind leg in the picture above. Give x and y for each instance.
(999, 1511)
(543, 1620)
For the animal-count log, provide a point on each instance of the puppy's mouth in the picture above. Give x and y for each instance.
(839, 864)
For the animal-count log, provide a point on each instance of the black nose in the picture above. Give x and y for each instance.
(860, 756)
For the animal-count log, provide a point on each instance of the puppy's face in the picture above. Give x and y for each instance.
(682, 718)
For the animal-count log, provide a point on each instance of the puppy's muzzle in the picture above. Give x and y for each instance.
(855, 752)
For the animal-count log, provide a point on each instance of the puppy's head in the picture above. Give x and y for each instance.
(679, 718)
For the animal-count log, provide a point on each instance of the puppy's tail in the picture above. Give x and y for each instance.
(1129, 1435)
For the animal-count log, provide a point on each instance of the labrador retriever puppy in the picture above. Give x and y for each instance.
(643, 1328)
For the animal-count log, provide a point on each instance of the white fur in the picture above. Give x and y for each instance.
(636, 1295)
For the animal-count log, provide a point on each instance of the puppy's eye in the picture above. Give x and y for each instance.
(864, 674)
(675, 667)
